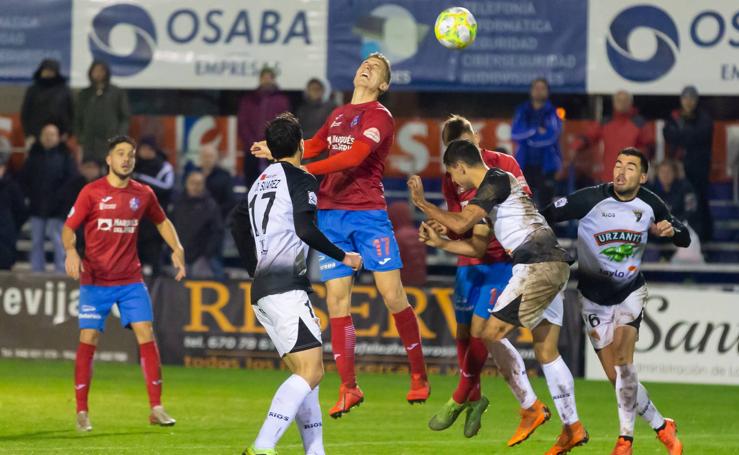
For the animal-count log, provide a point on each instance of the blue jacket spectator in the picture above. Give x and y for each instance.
(536, 129)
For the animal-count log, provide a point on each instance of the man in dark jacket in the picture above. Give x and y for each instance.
(13, 214)
(679, 197)
(315, 110)
(689, 134)
(536, 128)
(218, 181)
(102, 112)
(255, 110)
(197, 218)
(47, 100)
(48, 168)
(153, 169)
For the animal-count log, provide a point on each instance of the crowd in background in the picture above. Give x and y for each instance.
(45, 187)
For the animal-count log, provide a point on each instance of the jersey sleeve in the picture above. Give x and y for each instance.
(303, 193)
(154, 211)
(575, 206)
(495, 188)
(80, 210)
(377, 125)
(509, 164)
(243, 236)
(662, 213)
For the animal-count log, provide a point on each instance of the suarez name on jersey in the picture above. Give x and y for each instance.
(358, 188)
(110, 217)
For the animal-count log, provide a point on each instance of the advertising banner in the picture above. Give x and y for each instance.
(212, 324)
(30, 31)
(658, 47)
(38, 320)
(516, 42)
(200, 45)
(687, 335)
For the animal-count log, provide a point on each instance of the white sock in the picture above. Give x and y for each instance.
(626, 391)
(310, 424)
(562, 388)
(511, 366)
(647, 410)
(285, 404)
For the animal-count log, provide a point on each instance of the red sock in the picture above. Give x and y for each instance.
(462, 345)
(470, 374)
(407, 326)
(83, 374)
(343, 340)
(152, 369)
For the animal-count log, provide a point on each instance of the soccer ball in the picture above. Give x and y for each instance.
(456, 28)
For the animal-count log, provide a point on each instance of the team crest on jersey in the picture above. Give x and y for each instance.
(134, 203)
(638, 214)
(355, 121)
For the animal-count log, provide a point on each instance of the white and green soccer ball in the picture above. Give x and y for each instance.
(456, 28)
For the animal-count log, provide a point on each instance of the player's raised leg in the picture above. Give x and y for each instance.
(343, 341)
(393, 294)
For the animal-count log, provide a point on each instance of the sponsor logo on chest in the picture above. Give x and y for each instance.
(117, 225)
(340, 143)
(618, 236)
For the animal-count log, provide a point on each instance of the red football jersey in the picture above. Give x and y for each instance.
(456, 199)
(358, 188)
(111, 219)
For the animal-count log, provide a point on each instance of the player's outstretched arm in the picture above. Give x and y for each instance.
(458, 222)
(169, 234)
(311, 148)
(72, 263)
(474, 247)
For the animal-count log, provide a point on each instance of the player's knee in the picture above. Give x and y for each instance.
(546, 352)
(89, 337)
(313, 374)
(463, 332)
(493, 332)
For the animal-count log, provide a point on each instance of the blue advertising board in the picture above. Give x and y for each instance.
(30, 31)
(517, 41)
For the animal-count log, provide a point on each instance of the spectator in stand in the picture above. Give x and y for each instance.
(536, 129)
(197, 218)
(255, 110)
(679, 196)
(89, 170)
(48, 168)
(218, 181)
(412, 252)
(13, 214)
(689, 134)
(47, 100)
(315, 110)
(102, 112)
(153, 169)
(625, 128)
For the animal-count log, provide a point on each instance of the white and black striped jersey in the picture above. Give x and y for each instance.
(518, 226)
(611, 238)
(273, 228)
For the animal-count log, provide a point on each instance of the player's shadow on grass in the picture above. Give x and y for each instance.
(70, 434)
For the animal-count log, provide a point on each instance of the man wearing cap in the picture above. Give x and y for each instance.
(689, 134)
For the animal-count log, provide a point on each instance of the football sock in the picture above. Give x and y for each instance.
(475, 359)
(462, 345)
(288, 398)
(511, 366)
(152, 369)
(83, 374)
(647, 410)
(343, 340)
(562, 388)
(407, 326)
(626, 391)
(310, 424)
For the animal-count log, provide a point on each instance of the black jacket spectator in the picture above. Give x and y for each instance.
(42, 175)
(679, 197)
(314, 111)
(13, 214)
(220, 186)
(47, 100)
(199, 225)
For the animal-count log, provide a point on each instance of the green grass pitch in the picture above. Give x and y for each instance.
(220, 411)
